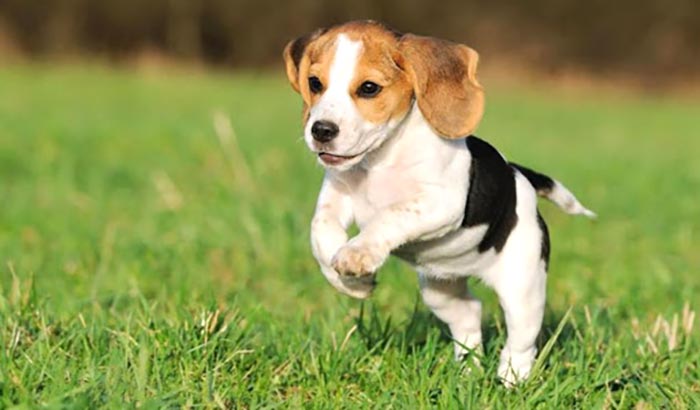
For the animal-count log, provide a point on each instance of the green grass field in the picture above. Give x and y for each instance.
(147, 260)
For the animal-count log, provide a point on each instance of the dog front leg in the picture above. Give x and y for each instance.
(328, 234)
(421, 218)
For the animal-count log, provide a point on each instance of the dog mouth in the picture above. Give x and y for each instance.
(334, 160)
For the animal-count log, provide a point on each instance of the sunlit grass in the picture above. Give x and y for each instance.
(153, 252)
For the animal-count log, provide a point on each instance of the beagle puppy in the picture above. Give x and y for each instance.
(390, 116)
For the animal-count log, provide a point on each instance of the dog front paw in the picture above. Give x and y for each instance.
(358, 287)
(357, 261)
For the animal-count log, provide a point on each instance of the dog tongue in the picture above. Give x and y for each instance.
(331, 159)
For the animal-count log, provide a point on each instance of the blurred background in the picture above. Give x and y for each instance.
(653, 42)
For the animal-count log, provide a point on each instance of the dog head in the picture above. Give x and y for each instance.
(359, 81)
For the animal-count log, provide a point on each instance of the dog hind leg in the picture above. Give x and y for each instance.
(522, 298)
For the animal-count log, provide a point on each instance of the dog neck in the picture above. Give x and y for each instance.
(414, 141)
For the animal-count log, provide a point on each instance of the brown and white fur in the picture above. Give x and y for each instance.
(389, 116)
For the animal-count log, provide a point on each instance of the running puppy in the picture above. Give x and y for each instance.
(389, 116)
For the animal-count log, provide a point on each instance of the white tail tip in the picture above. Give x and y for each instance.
(590, 214)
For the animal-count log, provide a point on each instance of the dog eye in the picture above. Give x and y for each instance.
(368, 89)
(315, 85)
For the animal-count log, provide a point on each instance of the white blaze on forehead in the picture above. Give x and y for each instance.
(336, 105)
(343, 67)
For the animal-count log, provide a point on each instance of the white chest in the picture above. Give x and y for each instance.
(378, 190)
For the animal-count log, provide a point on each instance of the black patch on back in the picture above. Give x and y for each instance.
(546, 245)
(542, 183)
(491, 199)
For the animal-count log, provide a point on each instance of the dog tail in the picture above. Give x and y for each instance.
(555, 191)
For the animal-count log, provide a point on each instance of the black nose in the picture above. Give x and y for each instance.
(324, 131)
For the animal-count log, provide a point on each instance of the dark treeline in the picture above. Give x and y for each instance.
(644, 36)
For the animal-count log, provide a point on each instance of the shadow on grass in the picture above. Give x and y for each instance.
(551, 323)
(413, 335)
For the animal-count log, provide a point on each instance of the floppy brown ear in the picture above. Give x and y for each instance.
(293, 55)
(444, 82)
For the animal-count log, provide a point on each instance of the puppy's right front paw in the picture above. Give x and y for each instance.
(357, 287)
(354, 261)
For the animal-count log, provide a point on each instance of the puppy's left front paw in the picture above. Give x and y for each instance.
(358, 261)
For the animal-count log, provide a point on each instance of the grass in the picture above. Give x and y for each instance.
(152, 257)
